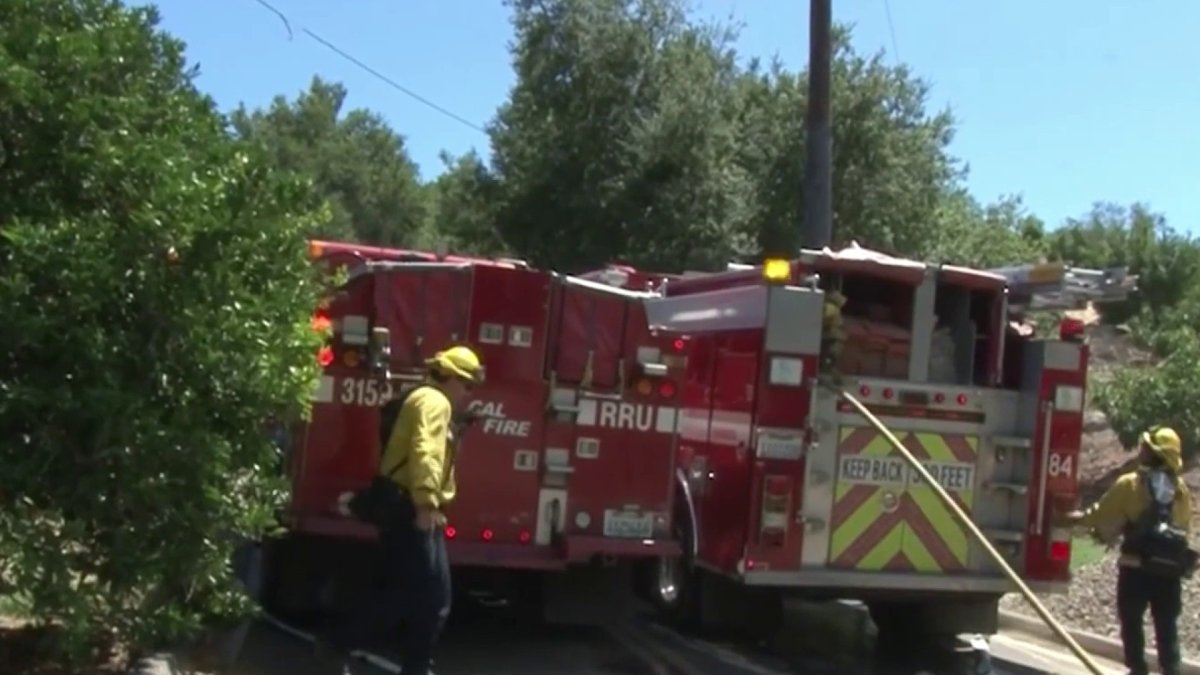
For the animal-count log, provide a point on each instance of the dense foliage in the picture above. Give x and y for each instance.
(156, 288)
(157, 292)
(355, 161)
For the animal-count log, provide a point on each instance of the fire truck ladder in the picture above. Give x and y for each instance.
(1057, 286)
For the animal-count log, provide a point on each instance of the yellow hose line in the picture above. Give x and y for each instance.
(1084, 657)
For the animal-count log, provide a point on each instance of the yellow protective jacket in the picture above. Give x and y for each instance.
(1125, 502)
(422, 446)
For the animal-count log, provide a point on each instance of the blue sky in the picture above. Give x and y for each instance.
(1064, 102)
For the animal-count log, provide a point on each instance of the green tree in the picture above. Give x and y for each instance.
(463, 209)
(1167, 262)
(157, 293)
(633, 134)
(618, 140)
(964, 233)
(1164, 313)
(891, 168)
(356, 162)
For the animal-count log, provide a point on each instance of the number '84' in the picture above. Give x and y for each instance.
(1060, 465)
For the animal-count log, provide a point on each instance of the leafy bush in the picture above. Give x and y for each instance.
(157, 293)
(1162, 394)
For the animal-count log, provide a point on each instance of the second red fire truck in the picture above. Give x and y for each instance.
(565, 477)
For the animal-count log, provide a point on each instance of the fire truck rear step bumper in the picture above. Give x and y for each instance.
(877, 581)
(574, 549)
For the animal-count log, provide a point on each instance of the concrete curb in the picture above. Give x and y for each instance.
(159, 664)
(1092, 643)
(247, 572)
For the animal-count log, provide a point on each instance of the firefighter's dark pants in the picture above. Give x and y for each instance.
(1136, 591)
(426, 570)
(416, 589)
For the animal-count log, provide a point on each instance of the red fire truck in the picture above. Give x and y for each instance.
(783, 489)
(568, 475)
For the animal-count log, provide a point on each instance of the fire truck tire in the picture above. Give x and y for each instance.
(898, 631)
(670, 583)
(906, 630)
(700, 601)
(305, 577)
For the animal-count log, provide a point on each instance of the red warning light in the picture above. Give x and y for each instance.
(321, 322)
(962, 399)
(325, 356)
(487, 534)
(678, 344)
(451, 532)
(525, 537)
(864, 391)
(888, 393)
(666, 389)
(939, 397)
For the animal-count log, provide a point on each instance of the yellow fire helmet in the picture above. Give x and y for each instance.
(1166, 444)
(461, 362)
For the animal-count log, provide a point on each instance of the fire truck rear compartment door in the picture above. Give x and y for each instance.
(590, 327)
(499, 468)
(508, 322)
(621, 456)
(425, 308)
(884, 518)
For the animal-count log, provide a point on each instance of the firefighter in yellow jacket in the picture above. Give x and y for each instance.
(419, 457)
(1127, 510)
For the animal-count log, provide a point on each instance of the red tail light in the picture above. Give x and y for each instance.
(1071, 330)
(1060, 551)
(888, 393)
(962, 399)
(776, 502)
(678, 344)
(525, 537)
(325, 356)
(864, 391)
(666, 389)
(451, 532)
(487, 534)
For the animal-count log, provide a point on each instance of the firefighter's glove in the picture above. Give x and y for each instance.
(428, 518)
(466, 418)
(1068, 519)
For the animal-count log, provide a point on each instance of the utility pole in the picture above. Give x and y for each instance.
(817, 227)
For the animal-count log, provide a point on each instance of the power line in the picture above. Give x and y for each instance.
(887, 8)
(378, 75)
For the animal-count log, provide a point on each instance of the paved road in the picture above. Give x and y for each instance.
(493, 643)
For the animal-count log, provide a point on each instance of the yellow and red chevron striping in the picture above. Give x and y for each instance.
(900, 526)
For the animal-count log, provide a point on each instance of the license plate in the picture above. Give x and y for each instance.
(780, 448)
(628, 525)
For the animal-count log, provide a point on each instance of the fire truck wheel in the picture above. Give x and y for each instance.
(676, 586)
(902, 638)
(660, 581)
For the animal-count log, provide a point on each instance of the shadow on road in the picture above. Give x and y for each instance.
(477, 642)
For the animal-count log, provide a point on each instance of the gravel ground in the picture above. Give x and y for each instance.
(1091, 605)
